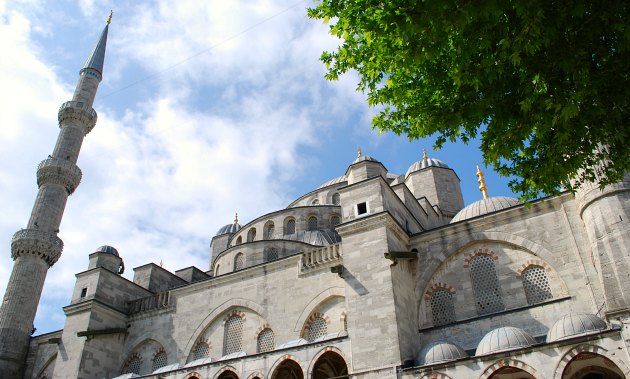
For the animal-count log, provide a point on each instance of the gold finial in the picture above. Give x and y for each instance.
(359, 152)
(109, 19)
(236, 218)
(482, 183)
(424, 155)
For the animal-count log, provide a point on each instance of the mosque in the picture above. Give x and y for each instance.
(370, 275)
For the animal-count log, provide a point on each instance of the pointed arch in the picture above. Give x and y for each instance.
(315, 302)
(284, 366)
(508, 362)
(322, 353)
(568, 357)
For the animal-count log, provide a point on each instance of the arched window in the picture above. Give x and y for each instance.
(233, 337)
(272, 254)
(239, 240)
(159, 360)
(330, 365)
(132, 366)
(201, 350)
(442, 308)
(536, 285)
(269, 230)
(290, 227)
(239, 261)
(315, 202)
(312, 223)
(251, 235)
(485, 283)
(334, 221)
(336, 199)
(317, 328)
(266, 341)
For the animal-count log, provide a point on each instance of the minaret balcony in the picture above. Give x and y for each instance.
(59, 171)
(77, 111)
(45, 245)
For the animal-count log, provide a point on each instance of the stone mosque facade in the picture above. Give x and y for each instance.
(370, 275)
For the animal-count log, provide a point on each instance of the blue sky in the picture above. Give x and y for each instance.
(205, 109)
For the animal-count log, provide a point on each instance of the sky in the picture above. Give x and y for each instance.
(205, 109)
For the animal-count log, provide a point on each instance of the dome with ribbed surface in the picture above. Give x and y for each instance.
(107, 249)
(229, 229)
(485, 206)
(439, 351)
(337, 180)
(502, 339)
(575, 324)
(425, 163)
(362, 158)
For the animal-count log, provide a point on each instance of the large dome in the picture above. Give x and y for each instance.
(337, 180)
(439, 351)
(575, 324)
(485, 206)
(506, 338)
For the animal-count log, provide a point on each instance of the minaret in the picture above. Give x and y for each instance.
(36, 248)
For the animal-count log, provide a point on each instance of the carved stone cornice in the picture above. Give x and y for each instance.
(45, 245)
(78, 112)
(59, 171)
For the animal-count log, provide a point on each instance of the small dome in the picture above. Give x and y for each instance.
(107, 249)
(229, 229)
(362, 158)
(340, 179)
(485, 206)
(439, 351)
(575, 324)
(506, 338)
(424, 163)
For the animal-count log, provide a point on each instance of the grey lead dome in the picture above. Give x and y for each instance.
(485, 206)
(424, 163)
(229, 229)
(575, 324)
(502, 339)
(440, 351)
(107, 249)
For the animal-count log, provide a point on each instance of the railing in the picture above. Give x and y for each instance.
(78, 105)
(317, 257)
(40, 235)
(157, 301)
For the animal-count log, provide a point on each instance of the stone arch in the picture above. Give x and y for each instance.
(273, 370)
(315, 302)
(224, 373)
(255, 375)
(435, 375)
(508, 362)
(47, 364)
(316, 316)
(217, 312)
(192, 375)
(567, 358)
(142, 340)
(320, 353)
(269, 230)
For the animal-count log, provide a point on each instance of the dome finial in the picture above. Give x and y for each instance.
(109, 19)
(359, 152)
(482, 183)
(424, 155)
(236, 218)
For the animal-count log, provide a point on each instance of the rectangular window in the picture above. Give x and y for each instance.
(83, 292)
(361, 208)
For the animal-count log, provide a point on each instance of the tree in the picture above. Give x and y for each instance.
(544, 82)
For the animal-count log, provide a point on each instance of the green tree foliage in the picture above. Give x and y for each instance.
(544, 82)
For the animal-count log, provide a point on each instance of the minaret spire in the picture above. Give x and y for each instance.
(37, 247)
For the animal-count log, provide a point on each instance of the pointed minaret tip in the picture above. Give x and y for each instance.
(482, 183)
(109, 19)
(96, 59)
(236, 218)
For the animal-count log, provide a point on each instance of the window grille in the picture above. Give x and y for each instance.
(316, 329)
(201, 350)
(159, 360)
(239, 261)
(536, 285)
(442, 307)
(251, 235)
(336, 199)
(233, 338)
(312, 223)
(290, 227)
(270, 231)
(334, 221)
(266, 341)
(272, 254)
(485, 283)
(133, 366)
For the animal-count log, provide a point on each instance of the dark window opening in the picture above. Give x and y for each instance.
(362, 208)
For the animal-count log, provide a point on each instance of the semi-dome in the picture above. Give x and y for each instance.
(505, 338)
(107, 249)
(575, 324)
(439, 351)
(485, 206)
(337, 180)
